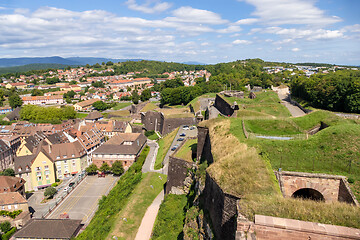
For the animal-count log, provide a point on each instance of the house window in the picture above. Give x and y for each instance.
(2, 207)
(16, 206)
(9, 207)
(27, 168)
(47, 177)
(46, 167)
(57, 157)
(47, 172)
(19, 169)
(38, 173)
(73, 155)
(59, 172)
(64, 156)
(44, 162)
(38, 168)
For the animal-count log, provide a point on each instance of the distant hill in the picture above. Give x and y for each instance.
(193, 63)
(10, 62)
(93, 60)
(72, 61)
(30, 67)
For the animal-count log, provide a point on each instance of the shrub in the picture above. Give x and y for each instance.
(50, 192)
(149, 133)
(5, 226)
(351, 180)
(8, 235)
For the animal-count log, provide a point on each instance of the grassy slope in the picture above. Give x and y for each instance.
(195, 102)
(141, 198)
(272, 127)
(241, 171)
(164, 145)
(170, 219)
(81, 115)
(121, 105)
(185, 152)
(110, 205)
(266, 104)
(149, 107)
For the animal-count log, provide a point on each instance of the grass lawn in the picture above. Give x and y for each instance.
(121, 105)
(149, 107)
(176, 112)
(170, 219)
(272, 127)
(81, 115)
(164, 146)
(240, 170)
(329, 151)
(195, 103)
(185, 152)
(153, 137)
(266, 104)
(143, 195)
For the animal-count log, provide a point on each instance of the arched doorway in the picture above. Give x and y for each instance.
(308, 193)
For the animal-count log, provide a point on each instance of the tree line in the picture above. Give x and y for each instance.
(335, 91)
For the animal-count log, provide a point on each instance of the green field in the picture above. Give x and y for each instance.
(121, 105)
(272, 127)
(334, 150)
(170, 219)
(149, 107)
(266, 104)
(185, 152)
(164, 146)
(134, 210)
(81, 115)
(247, 172)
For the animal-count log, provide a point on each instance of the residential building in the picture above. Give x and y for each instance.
(43, 100)
(124, 147)
(6, 156)
(4, 110)
(113, 127)
(12, 184)
(12, 201)
(18, 85)
(94, 116)
(91, 140)
(49, 229)
(85, 105)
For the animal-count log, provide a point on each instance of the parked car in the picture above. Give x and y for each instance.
(180, 139)
(66, 189)
(182, 135)
(71, 184)
(174, 147)
(186, 127)
(101, 174)
(192, 128)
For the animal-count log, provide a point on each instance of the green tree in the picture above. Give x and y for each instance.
(92, 169)
(100, 105)
(145, 95)
(50, 192)
(135, 97)
(5, 226)
(8, 172)
(105, 167)
(117, 168)
(37, 92)
(98, 84)
(109, 63)
(15, 101)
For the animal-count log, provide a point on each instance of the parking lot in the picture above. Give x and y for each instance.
(81, 203)
(189, 132)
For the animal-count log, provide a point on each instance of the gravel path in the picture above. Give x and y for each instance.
(148, 221)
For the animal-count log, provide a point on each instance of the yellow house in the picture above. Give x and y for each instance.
(42, 171)
(50, 162)
(29, 144)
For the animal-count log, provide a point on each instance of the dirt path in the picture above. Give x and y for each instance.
(148, 221)
(293, 109)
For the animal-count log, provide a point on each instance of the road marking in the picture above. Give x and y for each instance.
(93, 206)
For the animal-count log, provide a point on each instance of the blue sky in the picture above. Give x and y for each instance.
(207, 31)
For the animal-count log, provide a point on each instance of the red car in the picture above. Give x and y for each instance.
(101, 174)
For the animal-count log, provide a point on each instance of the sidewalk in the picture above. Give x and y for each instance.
(148, 221)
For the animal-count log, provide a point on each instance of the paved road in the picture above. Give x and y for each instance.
(147, 223)
(151, 158)
(82, 202)
(293, 109)
(39, 209)
(189, 133)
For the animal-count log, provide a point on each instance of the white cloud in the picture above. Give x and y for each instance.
(193, 15)
(352, 28)
(295, 49)
(247, 21)
(278, 12)
(230, 29)
(238, 41)
(147, 7)
(205, 44)
(308, 34)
